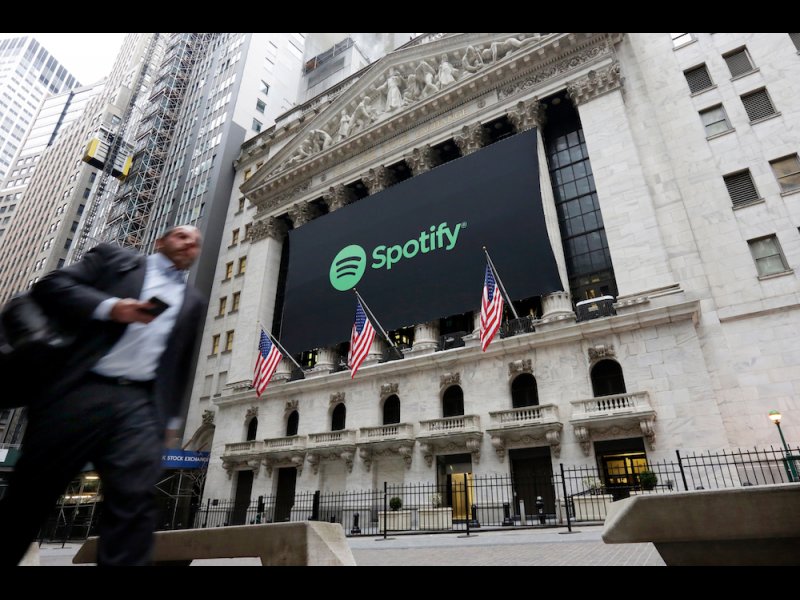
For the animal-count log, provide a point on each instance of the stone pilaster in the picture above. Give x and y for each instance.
(378, 179)
(471, 139)
(527, 115)
(422, 159)
(337, 196)
(267, 228)
(595, 84)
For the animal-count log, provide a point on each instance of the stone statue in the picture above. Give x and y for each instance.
(363, 116)
(411, 94)
(499, 50)
(394, 99)
(320, 140)
(447, 73)
(344, 126)
(472, 61)
(305, 150)
(426, 73)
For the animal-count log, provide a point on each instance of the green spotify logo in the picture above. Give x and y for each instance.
(348, 267)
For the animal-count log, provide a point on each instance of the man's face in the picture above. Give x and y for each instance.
(181, 246)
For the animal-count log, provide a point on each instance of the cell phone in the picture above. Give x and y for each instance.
(160, 306)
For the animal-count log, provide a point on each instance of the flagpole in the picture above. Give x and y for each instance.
(281, 348)
(374, 320)
(500, 284)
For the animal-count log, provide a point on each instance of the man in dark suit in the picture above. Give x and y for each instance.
(110, 398)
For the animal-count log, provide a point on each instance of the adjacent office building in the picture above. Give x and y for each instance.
(638, 193)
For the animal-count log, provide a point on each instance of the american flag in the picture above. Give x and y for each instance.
(268, 358)
(491, 309)
(360, 339)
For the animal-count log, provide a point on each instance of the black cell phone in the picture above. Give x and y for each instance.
(160, 306)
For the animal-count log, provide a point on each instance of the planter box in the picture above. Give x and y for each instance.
(435, 518)
(397, 520)
(589, 508)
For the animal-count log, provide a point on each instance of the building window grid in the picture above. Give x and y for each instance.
(758, 105)
(787, 172)
(698, 79)
(741, 188)
(768, 255)
(739, 62)
(715, 120)
(215, 344)
(795, 37)
(229, 341)
(235, 301)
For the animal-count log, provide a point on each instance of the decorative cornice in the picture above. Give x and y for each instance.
(527, 115)
(291, 406)
(449, 379)
(516, 367)
(267, 228)
(471, 139)
(378, 179)
(595, 84)
(208, 417)
(251, 413)
(601, 351)
(284, 198)
(387, 389)
(336, 398)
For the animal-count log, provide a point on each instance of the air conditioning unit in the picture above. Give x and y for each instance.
(595, 308)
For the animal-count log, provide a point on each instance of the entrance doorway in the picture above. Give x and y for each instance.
(452, 471)
(620, 462)
(284, 497)
(244, 487)
(532, 476)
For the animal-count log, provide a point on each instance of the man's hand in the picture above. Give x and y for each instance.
(129, 310)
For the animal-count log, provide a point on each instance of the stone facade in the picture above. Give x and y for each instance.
(705, 346)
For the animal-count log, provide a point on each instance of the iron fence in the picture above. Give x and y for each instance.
(463, 501)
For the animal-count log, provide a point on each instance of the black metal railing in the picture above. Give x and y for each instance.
(463, 501)
(519, 326)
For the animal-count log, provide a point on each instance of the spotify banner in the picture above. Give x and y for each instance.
(414, 251)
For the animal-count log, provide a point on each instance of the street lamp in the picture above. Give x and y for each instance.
(775, 417)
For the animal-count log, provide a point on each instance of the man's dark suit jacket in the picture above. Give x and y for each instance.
(71, 295)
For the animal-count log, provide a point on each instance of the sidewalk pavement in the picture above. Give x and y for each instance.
(525, 547)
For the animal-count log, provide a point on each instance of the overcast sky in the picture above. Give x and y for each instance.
(88, 56)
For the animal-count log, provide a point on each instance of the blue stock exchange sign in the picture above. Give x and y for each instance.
(184, 459)
(415, 250)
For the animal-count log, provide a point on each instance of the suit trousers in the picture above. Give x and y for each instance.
(114, 427)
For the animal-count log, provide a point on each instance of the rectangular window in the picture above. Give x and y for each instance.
(223, 302)
(242, 265)
(698, 79)
(229, 341)
(257, 125)
(680, 39)
(739, 62)
(241, 203)
(228, 270)
(235, 237)
(247, 231)
(787, 172)
(715, 120)
(264, 87)
(741, 188)
(795, 37)
(222, 382)
(215, 344)
(767, 253)
(260, 106)
(209, 380)
(235, 303)
(758, 105)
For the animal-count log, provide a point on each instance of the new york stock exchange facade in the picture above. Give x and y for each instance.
(580, 161)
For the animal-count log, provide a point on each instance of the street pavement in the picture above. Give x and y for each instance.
(526, 547)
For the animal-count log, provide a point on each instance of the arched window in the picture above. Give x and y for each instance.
(338, 417)
(524, 391)
(292, 423)
(453, 402)
(252, 428)
(391, 410)
(607, 379)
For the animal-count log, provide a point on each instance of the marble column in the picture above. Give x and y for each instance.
(426, 338)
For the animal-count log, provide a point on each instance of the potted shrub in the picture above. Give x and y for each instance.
(648, 480)
(395, 519)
